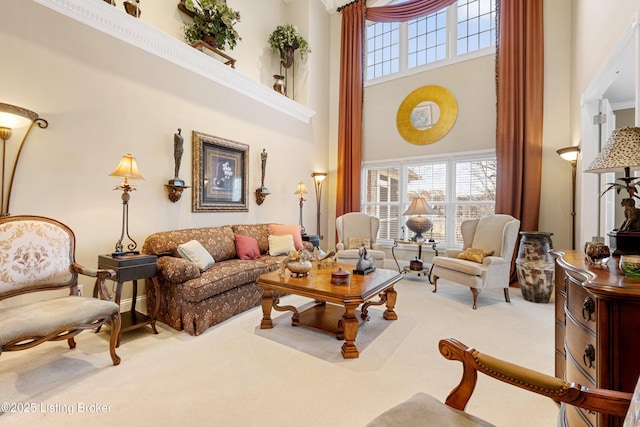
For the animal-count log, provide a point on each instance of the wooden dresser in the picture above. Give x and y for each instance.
(597, 330)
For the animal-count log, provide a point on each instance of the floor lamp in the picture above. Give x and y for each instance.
(12, 117)
(318, 179)
(570, 154)
(301, 190)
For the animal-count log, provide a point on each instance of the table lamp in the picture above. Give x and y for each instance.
(419, 224)
(127, 169)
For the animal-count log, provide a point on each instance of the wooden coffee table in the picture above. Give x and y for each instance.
(335, 309)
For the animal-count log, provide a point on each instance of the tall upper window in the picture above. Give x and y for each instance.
(442, 36)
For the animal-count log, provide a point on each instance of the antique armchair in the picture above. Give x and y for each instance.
(38, 254)
(486, 255)
(424, 410)
(353, 229)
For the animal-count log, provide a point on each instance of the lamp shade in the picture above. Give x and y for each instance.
(15, 117)
(301, 188)
(569, 154)
(621, 151)
(128, 168)
(419, 206)
(319, 176)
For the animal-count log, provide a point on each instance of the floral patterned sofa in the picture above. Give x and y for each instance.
(195, 301)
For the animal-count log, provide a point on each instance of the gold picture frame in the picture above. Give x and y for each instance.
(220, 174)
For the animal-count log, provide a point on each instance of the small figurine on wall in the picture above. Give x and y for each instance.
(178, 150)
(262, 192)
(176, 186)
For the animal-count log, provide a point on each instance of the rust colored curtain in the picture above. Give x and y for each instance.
(351, 88)
(350, 108)
(520, 85)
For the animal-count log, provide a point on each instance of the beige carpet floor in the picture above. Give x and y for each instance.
(238, 375)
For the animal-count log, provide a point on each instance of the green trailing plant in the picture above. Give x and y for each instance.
(213, 20)
(288, 35)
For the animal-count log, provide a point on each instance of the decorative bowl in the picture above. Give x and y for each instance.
(630, 265)
(299, 268)
(598, 253)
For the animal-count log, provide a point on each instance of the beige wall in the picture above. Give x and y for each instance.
(104, 98)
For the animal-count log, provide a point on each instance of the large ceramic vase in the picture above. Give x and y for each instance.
(535, 266)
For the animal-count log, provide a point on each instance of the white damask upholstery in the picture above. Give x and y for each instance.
(497, 233)
(357, 225)
(38, 254)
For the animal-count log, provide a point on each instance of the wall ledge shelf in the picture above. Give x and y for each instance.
(117, 23)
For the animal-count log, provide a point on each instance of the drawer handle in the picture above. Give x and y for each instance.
(588, 308)
(589, 355)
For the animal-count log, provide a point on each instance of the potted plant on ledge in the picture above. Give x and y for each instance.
(286, 39)
(213, 23)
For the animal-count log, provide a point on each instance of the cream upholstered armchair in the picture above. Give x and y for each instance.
(38, 254)
(353, 229)
(485, 258)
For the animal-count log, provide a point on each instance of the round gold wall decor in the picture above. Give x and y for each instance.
(429, 133)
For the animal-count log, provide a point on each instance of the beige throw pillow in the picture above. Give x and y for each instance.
(281, 245)
(356, 242)
(196, 253)
(474, 254)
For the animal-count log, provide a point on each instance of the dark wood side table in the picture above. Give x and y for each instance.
(131, 268)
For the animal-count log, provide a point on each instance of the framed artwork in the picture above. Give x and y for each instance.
(220, 174)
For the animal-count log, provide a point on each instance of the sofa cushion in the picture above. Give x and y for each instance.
(260, 232)
(247, 247)
(196, 253)
(175, 270)
(281, 245)
(294, 230)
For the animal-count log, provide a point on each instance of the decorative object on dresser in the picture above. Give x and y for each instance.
(597, 323)
(419, 224)
(262, 192)
(127, 169)
(301, 190)
(423, 410)
(535, 266)
(318, 180)
(622, 154)
(570, 154)
(597, 254)
(38, 258)
(176, 186)
(485, 259)
(220, 175)
(13, 117)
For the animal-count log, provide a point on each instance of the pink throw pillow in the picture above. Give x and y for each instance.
(246, 247)
(294, 230)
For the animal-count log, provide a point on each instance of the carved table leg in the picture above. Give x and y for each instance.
(350, 329)
(267, 304)
(389, 314)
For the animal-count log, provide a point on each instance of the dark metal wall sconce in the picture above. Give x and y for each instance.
(262, 192)
(176, 186)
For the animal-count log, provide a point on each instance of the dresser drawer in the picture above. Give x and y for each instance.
(561, 301)
(580, 349)
(581, 305)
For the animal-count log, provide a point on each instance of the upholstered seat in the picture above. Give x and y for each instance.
(486, 255)
(353, 229)
(38, 254)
